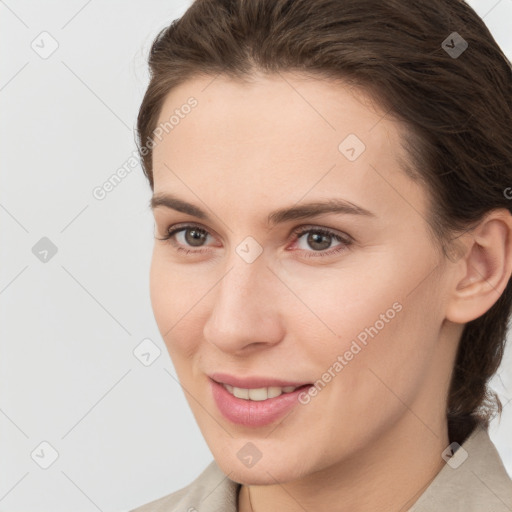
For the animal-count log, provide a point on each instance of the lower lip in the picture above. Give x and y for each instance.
(252, 413)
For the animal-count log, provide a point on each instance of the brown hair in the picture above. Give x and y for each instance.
(458, 109)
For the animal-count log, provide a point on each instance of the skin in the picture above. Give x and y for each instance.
(372, 438)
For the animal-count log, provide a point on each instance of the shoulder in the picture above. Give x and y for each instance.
(211, 491)
(473, 479)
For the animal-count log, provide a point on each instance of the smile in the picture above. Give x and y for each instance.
(259, 394)
(255, 406)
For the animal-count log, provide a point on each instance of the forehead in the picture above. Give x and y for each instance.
(282, 135)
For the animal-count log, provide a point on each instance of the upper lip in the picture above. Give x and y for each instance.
(253, 382)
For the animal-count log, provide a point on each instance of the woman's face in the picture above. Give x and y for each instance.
(310, 263)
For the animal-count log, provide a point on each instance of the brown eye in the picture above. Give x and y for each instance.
(320, 239)
(194, 236)
(185, 237)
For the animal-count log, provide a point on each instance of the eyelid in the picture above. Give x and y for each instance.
(316, 227)
(298, 230)
(177, 228)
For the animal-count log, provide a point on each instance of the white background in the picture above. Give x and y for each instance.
(123, 432)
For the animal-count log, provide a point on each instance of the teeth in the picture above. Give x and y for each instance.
(273, 391)
(241, 393)
(258, 394)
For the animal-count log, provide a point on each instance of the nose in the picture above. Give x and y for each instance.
(245, 308)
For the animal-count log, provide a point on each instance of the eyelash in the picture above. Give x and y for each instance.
(346, 242)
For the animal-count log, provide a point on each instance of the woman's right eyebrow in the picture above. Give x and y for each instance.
(174, 203)
(295, 212)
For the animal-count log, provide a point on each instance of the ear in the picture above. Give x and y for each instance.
(485, 268)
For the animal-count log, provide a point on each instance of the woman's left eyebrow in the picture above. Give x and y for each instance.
(312, 209)
(295, 212)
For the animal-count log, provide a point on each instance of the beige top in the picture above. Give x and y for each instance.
(474, 479)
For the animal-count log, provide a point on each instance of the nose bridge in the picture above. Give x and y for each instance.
(241, 288)
(244, 309)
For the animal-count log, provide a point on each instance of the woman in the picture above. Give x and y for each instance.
(333, 250)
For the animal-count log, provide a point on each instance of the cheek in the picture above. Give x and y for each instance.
(371, 331)
(160, 290)
(339, 305)
(175, 298)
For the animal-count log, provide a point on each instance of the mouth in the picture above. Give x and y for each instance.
(260, 394)
(258, 403)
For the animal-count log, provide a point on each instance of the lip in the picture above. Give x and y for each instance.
(253, 382)
(252, 413)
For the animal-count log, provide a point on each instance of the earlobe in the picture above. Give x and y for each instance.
(486, 268)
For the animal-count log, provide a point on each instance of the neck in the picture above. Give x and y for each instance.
(390, 475)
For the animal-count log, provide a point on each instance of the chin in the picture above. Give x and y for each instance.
(270, 472)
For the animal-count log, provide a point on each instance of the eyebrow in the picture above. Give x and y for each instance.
(333, 205)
